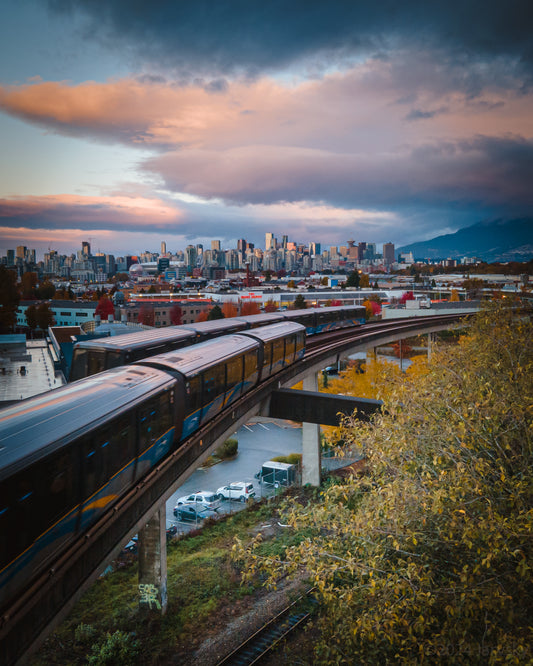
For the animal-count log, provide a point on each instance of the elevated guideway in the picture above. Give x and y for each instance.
(49, 597)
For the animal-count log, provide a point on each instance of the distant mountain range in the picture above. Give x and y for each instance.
(497, 240)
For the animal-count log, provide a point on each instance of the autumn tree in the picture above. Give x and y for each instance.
(372, 308)
(28, 285)
(176, 315)
(229, 309)
(407, 296)
(202, 316)
(364, 281)
(45, 290)
(31, 317)
(426, 558)
(146, 315)
(9, 299)
(270, 306)
(105, 308)
(44, 316)
(250, 308)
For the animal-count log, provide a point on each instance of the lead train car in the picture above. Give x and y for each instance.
(67, 456)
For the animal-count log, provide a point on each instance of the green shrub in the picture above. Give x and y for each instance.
(114, 650)
(291, 459)
(228, 449)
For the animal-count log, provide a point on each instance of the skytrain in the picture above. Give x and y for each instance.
(68, 455)
(98, 355)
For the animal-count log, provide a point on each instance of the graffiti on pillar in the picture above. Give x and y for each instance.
(148, 595)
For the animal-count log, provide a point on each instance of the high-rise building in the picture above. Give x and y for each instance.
(86, 249)
(284, 241)
(215, 245)
(21, 252)
(190, 257)
(388, 253)
(163, 247)
(270, 241)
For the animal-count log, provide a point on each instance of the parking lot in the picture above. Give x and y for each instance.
(258, 442)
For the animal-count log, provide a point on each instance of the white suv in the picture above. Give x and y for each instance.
(203, 498)
(238, 490)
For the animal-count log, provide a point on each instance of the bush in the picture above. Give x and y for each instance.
(118, 648)
(291, 459)
(228, 449)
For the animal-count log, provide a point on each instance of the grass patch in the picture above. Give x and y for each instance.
(202, 581)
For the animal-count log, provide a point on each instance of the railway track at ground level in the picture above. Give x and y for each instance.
(257, 646)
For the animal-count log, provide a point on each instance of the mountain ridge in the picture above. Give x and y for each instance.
(490, 240)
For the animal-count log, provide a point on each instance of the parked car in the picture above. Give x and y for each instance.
(238, 490)
(204, 498)
(193, 512)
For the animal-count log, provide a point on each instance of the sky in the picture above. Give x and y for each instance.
(128, 123)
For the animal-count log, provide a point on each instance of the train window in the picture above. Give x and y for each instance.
(148, 424)
(79, 365)
(234, 368)
(96, 362)
(193, 391)
(92, 466)
(290, 348)
(21, 506)
(114, 359)
(214, 383)
(278, 351)
(250, 364)
(58, 478)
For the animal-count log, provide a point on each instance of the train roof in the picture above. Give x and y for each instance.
(139, 339)
(275, 331)
(261, 319)
(189, 361)
(207, 327)
(30, 427)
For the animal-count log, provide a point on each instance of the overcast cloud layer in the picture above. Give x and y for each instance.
(324, 121)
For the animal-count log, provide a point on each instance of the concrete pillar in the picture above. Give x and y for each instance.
(153, 563)
(310, 442)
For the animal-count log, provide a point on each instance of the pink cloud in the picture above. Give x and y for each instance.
(66, 211)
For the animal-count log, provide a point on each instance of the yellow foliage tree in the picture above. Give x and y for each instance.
(427, 558)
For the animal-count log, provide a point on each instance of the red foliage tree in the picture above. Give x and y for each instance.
(146, 315)
(408, 296)
(176, 315)
(105, 308)
(271, 306)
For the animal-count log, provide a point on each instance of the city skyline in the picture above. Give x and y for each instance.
(200, 121)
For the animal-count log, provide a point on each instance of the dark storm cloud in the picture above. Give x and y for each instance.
(492, 173)
(232, 35)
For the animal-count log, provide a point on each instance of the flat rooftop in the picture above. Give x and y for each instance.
(27, 374)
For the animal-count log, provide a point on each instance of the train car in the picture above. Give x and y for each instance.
(93, 356)
(214, 373)
(67, 455)
(282, 344)
(305, 317)
(264, 319)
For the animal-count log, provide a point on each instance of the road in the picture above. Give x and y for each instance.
(258, 442)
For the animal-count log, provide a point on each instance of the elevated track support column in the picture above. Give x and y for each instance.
(153, 563)
(311, 442)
